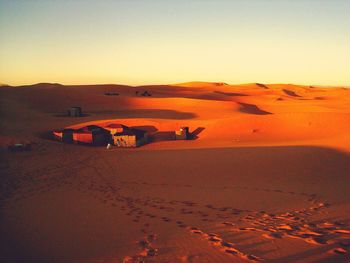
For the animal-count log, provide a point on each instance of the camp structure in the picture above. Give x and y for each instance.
(118, 134)
(114, 128)
(129, 137)
(65, 135)
(75, 112)
(182, 133)
(91, 135)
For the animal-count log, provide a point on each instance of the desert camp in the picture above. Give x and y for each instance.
(117, 134)
(182, 131)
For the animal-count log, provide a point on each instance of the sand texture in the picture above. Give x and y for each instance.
(265, 177)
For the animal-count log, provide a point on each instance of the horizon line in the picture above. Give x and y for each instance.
(172, 84)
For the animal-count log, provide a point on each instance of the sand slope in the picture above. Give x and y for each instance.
(265, 179)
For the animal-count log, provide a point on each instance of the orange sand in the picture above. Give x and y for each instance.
(266, 179)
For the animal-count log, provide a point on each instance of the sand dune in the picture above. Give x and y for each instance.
(201, 84)
(265, 177)
(252, 109)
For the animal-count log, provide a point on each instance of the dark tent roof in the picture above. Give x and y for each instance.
(117, 125)
(91, 128)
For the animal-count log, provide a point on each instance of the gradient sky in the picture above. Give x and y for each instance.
(162, 41)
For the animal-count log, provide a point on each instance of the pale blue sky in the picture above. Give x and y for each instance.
(144, 42)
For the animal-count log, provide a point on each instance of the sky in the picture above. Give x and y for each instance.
(138, 42)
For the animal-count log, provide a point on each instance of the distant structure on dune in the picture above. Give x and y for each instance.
(111, 93)
(75, 111)
(143, 94)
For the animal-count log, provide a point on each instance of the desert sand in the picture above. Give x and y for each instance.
(266, 177)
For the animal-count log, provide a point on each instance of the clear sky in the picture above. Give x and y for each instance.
(168, 41)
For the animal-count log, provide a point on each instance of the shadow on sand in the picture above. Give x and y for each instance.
(158, 136)
(139, 113)
(305, 169)
(68, 116)
(252, 109)
(148, 113)
(230, 94)
(195, 133)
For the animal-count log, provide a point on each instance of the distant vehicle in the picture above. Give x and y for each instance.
(111, 93)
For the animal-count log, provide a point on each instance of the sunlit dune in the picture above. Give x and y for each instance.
(248, 113)
(201, 84)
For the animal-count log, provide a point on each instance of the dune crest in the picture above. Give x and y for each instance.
(201, 84)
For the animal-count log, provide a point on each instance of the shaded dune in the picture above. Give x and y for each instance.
(205, 96)
(58, 99)
(190, 92)
(201, 84)
(262, 85)
(320, 98)
(149, 113)
(164, 90)
(230, 94)
(251, 109)
(137, 113)
(291, 93)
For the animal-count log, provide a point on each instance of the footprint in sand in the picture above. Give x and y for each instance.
(214, 239)
(181, 224)
(227, 244)
(222, 245)
(342, 231)
(226, 223)
(146, 245)
(273, 235)
(166, 219)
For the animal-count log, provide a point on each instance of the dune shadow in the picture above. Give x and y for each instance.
(231, 94)
(168, 91)
(148, 113)
(291, 93)
(262, 86)
(252, 109)
(68, 116)
(162, 136)
(170, 135)
(147, 128)
(47, 135)
(194, 134)
(320, 98)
